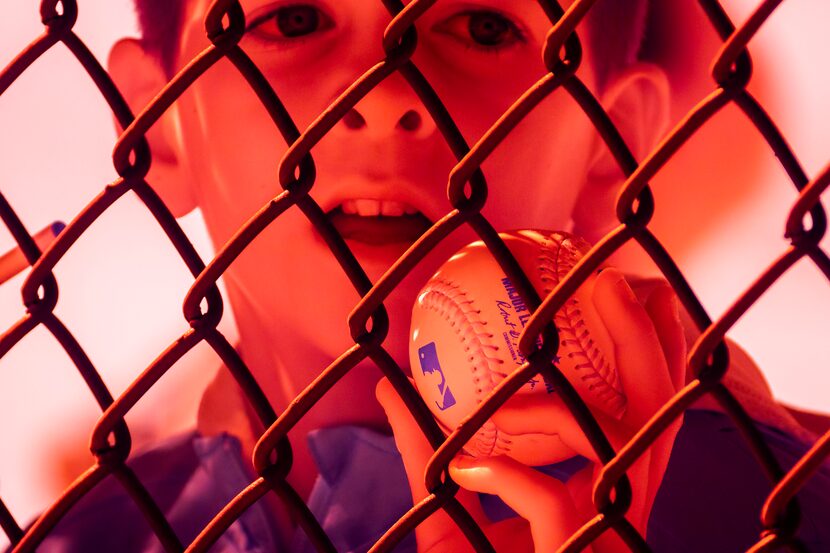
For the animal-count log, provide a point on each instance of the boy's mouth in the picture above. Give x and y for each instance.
(378, 221)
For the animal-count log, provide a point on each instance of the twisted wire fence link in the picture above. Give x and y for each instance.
(368, 322)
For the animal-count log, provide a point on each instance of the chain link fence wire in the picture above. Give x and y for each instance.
(368, 323)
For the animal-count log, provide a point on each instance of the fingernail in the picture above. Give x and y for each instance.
(675, 305)
(624, 289)
(462, 461)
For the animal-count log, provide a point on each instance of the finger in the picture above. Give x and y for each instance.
(544, 414)
(664, 310)
(540, 499)
(637, 350)
(645, 377)
(415, 452)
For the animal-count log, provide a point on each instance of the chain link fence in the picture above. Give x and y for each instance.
(368, 323)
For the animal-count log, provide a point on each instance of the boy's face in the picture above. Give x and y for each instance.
(479, 56)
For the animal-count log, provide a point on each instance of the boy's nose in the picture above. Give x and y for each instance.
(384, 115)
(410, 121)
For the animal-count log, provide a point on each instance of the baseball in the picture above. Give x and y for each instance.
(466, 325)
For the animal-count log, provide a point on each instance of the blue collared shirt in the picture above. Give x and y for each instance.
(709, 500)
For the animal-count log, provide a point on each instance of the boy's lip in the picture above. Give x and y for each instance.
(379, 230)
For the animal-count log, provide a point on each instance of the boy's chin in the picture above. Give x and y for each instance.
(397, 341)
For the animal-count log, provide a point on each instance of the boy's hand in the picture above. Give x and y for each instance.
(650, 352)
(535, 496)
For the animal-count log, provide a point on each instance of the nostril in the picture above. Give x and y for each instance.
(410, 121)
(354, 120)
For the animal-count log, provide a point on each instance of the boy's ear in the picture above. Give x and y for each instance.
(139, 76)
(637, 100)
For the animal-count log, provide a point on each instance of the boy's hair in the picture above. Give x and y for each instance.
(615, 32)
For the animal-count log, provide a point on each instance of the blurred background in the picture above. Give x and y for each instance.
(721, 206)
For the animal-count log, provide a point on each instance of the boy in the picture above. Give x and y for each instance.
(382, 175)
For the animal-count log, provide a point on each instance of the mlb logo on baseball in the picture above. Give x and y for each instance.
(430, 365)
(471, 313)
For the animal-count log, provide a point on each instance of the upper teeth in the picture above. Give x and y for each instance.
(373, 208)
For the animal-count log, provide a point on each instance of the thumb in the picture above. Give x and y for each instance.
(415, 452)
(540, 499)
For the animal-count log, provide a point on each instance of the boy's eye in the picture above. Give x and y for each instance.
(483, 29)
(288, 22)
(488, 29)
(294, 21)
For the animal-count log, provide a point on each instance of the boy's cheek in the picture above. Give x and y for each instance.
(228, 142)
(530, 188)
